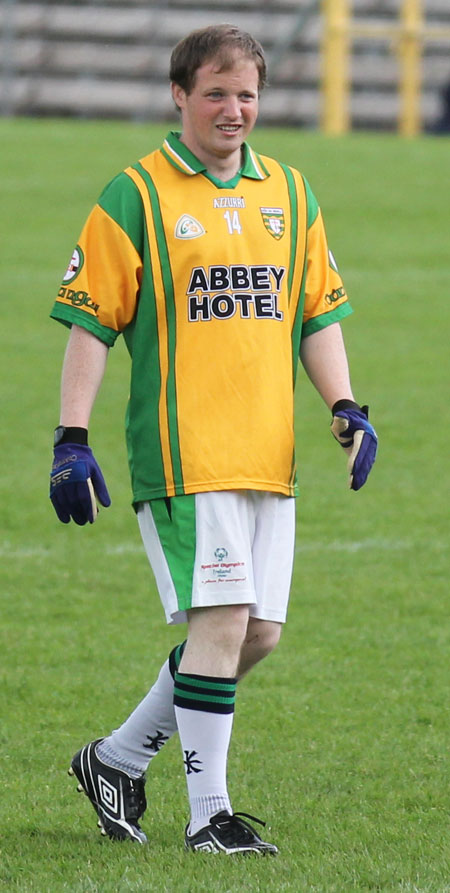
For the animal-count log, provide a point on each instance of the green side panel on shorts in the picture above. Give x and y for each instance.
(177, 535)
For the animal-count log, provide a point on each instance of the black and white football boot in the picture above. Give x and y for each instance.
(118, 799)
(229, 834)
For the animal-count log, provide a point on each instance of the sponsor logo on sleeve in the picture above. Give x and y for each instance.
(335, 295)
(78, 298)
(75, 265)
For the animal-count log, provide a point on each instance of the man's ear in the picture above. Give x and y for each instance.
(178, 95)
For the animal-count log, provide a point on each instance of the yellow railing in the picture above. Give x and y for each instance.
(408, 35)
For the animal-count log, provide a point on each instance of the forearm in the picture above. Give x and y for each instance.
(83, 370)
(324, 358)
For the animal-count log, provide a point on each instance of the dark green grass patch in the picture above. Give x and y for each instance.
(341, 738)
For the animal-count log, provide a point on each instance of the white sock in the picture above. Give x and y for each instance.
(141, 737)
(204, 709)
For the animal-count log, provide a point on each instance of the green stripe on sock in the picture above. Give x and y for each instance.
(204, 682)
(212, 699)
(206, 693)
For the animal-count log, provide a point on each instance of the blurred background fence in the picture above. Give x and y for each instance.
(109, 58)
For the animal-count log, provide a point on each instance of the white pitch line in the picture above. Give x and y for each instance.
(15, 553)
(382, 545)
(126, 549)
(24, 552)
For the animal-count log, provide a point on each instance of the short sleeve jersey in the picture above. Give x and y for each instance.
(213, 285)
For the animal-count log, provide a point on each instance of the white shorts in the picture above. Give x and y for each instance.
(232, 547)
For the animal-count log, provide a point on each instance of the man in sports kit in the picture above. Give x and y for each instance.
(212, 261)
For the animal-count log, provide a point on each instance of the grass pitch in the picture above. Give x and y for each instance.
(341, 738)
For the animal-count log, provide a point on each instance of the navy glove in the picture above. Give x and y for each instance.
(76, 482)
(352, 429)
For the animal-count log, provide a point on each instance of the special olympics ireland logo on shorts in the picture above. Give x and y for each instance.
(221, 572)
(76, 263)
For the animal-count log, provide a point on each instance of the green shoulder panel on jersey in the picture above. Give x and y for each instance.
(70, 316)
(312, 204)
(326, 319)
(121, 200)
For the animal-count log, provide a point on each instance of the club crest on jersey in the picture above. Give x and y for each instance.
(76, 263)
(273, 219)
(187, 227)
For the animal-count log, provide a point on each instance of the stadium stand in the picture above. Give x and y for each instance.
(109, 58)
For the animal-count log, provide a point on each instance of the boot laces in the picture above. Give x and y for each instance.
(136, 803)
(234, 829)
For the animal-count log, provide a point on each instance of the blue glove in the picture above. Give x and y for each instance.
(352, 429)
(76, 482)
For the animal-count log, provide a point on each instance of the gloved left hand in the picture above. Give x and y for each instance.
(76, 483)
(352, 429)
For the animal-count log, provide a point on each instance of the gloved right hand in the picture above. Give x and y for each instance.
(351, 428)
(76, 483)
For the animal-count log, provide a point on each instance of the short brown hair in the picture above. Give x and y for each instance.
(215, 41)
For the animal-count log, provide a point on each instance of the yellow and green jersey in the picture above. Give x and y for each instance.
(213, 285)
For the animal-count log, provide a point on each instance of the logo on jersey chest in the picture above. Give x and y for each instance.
(273, 219)
(187, 227)
(229, 201)
(221, 292)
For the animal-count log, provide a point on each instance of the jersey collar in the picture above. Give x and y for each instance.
(184, 160)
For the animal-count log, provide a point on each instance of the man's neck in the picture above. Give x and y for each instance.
(223, 169)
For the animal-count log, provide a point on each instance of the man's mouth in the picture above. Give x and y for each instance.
(229, 128)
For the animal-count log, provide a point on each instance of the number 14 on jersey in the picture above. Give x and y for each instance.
(233, 222)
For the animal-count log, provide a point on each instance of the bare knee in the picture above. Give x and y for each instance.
(215, 638)
(262, 637)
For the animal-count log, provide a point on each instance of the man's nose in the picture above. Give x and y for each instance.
(232, 107)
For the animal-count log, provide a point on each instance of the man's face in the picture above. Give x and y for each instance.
(221, 109)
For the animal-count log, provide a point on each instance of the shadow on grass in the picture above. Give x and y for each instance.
(73, 841)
